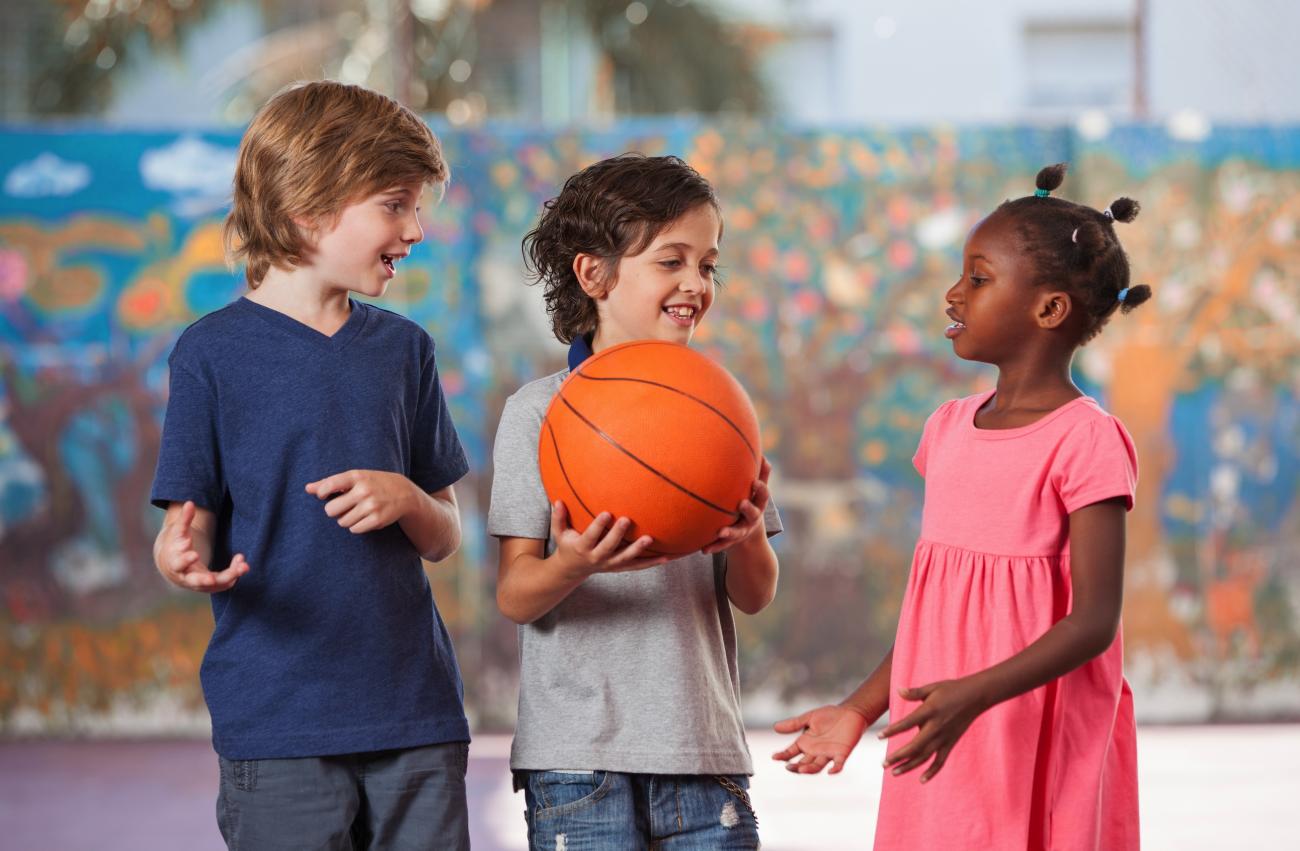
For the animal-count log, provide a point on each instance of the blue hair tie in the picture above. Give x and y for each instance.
(1042, 193)
(1123, 294)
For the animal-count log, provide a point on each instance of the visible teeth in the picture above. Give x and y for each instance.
(682, 312)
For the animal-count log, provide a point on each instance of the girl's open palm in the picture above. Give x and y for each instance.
(829, 735)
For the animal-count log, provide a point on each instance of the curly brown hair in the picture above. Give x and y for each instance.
(609, 210)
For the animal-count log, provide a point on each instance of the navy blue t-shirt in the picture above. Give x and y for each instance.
(331, 643)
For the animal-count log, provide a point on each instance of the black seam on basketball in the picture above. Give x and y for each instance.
(635, 345)
(614, 443)
(559, 460)
(726, 419)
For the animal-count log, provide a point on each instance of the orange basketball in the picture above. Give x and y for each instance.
(654, 432)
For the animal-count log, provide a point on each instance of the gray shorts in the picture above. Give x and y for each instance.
(402, 800)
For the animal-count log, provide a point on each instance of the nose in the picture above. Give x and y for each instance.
(413, 233)
(954, 292)
(694, 283)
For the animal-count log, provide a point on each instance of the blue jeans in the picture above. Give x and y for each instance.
(609, 811)
(405, 800)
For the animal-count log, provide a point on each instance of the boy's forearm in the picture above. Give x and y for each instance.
(432, 523)
(752, 571)
(532, 586)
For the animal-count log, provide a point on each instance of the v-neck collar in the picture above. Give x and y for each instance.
(357, 314)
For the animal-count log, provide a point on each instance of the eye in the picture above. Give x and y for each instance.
(674, 263)
(394, 206)
(710, 268)
(977, 281)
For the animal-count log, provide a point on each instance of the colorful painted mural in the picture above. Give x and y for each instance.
(838, 248)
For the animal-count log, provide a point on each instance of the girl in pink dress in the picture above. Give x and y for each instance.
(1005, 683)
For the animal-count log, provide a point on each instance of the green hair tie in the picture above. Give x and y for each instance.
(1042, 193)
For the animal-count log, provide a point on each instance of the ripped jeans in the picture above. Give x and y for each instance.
(609, 811)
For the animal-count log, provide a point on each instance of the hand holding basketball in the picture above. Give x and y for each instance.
(751, 515)
(599, 548)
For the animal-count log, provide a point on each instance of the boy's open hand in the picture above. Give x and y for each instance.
(365, 500)
(600, 548)
(828, 735)
(180, 562)
(947, 709)
(751, 515)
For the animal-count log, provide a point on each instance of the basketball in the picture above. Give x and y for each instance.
(654, 432)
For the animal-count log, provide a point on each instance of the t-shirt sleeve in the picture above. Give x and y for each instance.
(1097, 462)
(519, 507)
(189, 460)
(437, 458)
(772, 519)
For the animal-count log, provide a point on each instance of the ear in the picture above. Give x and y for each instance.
(1054, 308)
(590, 272)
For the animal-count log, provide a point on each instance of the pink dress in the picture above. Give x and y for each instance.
(1055, 768)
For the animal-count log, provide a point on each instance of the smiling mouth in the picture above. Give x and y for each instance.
(682, 312)
(390, 261)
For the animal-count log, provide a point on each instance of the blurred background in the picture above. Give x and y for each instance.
(853, 144)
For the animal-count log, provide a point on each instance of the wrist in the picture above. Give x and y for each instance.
(568, 571)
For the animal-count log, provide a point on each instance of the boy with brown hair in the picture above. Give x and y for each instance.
(306, 466)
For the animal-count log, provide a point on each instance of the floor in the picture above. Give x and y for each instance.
(1202, 788)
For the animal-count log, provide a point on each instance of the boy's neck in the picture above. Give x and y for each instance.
(297, 294)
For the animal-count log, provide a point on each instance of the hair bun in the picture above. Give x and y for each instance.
(1136, 295)
(1124, 209)
(1091, 239)
(1051, 177)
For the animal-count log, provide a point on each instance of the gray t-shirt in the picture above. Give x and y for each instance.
(632, 672)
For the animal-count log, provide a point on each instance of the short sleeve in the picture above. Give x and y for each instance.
(927, 437)
(189, 460)
(519, 507)
(1097, 461)
(437, 458)
(772, 519)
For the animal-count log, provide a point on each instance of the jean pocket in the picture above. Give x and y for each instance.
(239, 773)
(562, 792)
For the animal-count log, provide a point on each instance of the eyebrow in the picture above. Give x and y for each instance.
(682, 246)
(982, 257)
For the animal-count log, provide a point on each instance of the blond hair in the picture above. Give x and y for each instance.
(310, 151)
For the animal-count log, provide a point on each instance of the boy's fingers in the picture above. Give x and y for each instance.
(227, 578)
(596, 530)
(559, 519)
(341, 504)
(187, 513)
(331, 484)
(353, 517)
(369, 523)
(612, 539)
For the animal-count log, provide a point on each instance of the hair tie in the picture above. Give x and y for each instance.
(1108, 214)
(1042, 193)
(1074, 237)
(1123, 294)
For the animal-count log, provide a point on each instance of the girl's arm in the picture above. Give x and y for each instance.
(830, 733)
(1097, 575)
(530, 583)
